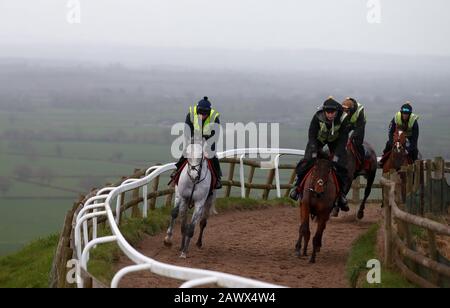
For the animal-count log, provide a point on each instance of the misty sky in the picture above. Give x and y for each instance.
(412, 27)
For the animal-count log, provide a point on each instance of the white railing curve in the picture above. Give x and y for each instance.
(101, 205)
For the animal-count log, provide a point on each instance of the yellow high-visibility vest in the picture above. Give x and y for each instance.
(330, 135)
(355, 116)
(412, 119)
(196, 121)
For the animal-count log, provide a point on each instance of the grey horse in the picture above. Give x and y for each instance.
(193, 188)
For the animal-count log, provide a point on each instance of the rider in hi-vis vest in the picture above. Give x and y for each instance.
(408, 122)
(200, 120)
(357, 123)
(329, 126)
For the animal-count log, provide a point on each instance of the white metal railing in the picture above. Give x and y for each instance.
(101, 205)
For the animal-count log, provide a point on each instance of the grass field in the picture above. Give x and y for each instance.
(30, 208)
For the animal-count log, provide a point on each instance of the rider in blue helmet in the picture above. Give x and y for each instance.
(200, 120)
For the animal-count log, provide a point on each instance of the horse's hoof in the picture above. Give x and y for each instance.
(312, 261)
(199, 245)
(298, 254)
(335, 212)
(360, 215)
(183, 256)
(305, 254)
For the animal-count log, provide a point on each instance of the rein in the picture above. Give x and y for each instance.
(196, 180)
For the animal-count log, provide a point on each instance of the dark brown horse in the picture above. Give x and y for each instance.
(320, 191)
(398, 155)
(361, 166)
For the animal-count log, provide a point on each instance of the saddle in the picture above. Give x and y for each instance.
(176, 177)
(362, 163)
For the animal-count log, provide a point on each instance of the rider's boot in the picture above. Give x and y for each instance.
(295, 194)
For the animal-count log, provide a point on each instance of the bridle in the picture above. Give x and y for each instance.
(197, 179)
(197, 168)
(319, 182)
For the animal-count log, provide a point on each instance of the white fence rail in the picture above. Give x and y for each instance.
(101, 206)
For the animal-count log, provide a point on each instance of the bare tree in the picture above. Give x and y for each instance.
(45, 174)
(22, 172)
(89, 182)
(5, 185)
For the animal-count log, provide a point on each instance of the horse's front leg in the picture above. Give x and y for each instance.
(183, 217)
(190, 228)
(174, 215)
(304, 232)
(317, 240)
(204, 220)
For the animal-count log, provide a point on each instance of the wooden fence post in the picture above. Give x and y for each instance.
(155, 185)
(439, 191)
(230, 179)
(250, 181)
(429, 184)
(122, 203)
(432, 249)
(270, 178)
(169, 199)
(409, 186)
(422, 188)
(388, 256)
(135, 212)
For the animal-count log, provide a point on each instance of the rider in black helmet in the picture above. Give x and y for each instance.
(329, 126)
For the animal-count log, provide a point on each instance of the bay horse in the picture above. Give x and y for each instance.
(193, 187)
(320, 191)
(398, 156)
(360, 166)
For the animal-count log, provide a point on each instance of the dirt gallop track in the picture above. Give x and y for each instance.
(259, 244)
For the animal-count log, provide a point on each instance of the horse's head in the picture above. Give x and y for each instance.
(399, 148)
(320, 176)
(399, 140)
(194, 154)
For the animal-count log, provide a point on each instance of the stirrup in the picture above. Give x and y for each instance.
(294, 195)
(218, 184)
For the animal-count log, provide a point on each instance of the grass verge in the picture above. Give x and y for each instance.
(30, 267)
(363, 250)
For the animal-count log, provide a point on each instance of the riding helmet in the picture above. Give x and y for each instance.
(406, 108)
(204, 106)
